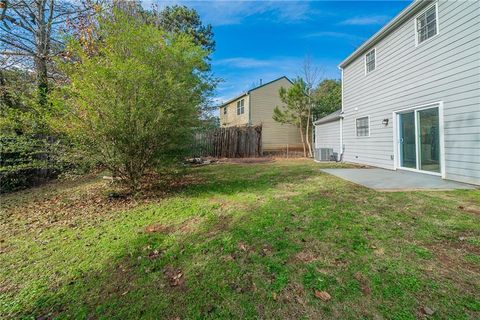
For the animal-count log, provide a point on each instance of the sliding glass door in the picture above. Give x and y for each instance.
(408, 149)
(419, 139)
(429, 140)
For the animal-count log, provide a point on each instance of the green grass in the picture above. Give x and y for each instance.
(251, 241)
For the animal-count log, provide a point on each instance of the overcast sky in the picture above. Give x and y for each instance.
(268, 39)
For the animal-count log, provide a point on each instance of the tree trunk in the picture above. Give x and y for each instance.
(42, 80)
(303, 139)
(42, 42)
(307, 131)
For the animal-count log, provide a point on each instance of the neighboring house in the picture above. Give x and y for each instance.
(411, 94)
(255, 107)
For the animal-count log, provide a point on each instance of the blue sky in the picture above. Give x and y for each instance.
(268, 39)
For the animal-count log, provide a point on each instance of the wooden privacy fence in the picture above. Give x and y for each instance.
(232, 142)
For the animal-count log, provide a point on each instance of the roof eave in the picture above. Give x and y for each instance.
(233, 99)
(327, 121)
(399, 19)
(253, 89)
(330, 117)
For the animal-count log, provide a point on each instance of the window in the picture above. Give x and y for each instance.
(240, 107)
(362, 127)
(426, 24)
(224, 110)
(370, 61)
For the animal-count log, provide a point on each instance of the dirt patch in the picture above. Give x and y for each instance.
(222, 225)
(293, 303)
(159, 228)
(469, 209)
(293, 293)
(247, 160)
(266, 250)
(187, 226)
(175, 277)
(364, 285)
(452, 262)
(306, 256)
(464, 246)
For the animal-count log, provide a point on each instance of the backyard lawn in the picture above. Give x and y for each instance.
(277, 240)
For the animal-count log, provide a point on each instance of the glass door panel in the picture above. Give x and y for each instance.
(408, 153)
(429, 140)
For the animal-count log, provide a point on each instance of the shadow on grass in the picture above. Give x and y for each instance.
(238, 258)
(138, 281)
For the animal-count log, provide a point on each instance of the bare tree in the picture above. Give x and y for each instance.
(33, 29)
(312, 76)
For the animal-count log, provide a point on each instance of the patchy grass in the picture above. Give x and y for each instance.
(240, 241)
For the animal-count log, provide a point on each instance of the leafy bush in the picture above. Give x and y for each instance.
(132, 105)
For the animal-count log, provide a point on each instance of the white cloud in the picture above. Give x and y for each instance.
(226, 12)
(333, 34)
(366, 20)
(242, 62)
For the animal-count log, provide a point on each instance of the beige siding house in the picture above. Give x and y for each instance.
(255, 107)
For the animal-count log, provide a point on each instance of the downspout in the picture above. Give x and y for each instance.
(314, 140)
(340, 159)
(342, 148)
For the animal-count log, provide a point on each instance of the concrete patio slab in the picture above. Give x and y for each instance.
(399, 180)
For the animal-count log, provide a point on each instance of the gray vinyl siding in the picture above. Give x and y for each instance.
(445, 68)
(327, 135)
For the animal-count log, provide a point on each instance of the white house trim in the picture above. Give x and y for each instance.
(341, 136)
(374, 49)
(367, 136)
(417, 44)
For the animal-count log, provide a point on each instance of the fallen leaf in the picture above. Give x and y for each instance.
(323, 295)
(242, 246)
(274, 296)
(363, 283)
(175, 276)
(427, 311)
(153, 228)
(154, 254)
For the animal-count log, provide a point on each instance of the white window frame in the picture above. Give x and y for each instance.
(240, 107)
(375, 61)
(417, 43)
(356, 133)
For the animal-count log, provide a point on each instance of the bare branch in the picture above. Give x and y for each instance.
(15, 53)
(17, 46)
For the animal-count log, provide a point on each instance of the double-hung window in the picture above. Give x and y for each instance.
(362, 126)
(240, 107)
(370, 61)
(427, 24)
(225, 110)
